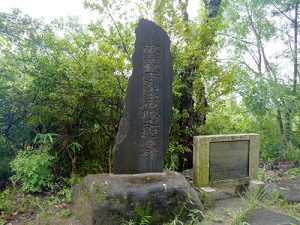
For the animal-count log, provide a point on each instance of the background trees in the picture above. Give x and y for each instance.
(62, 84)
(264, 39)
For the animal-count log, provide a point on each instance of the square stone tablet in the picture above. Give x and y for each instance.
(223, 160)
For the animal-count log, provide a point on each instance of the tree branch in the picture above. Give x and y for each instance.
(119, 33)
(286, 16)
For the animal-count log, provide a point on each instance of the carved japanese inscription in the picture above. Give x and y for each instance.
(151, 116)
(143, 133)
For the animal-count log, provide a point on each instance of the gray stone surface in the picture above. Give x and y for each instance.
(289, 189)
(143, 133)
(112, 199)
(266, 217)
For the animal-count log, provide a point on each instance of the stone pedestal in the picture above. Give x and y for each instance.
(208, 197)
(113, 199)
(256, 186)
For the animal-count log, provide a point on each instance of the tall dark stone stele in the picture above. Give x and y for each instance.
(143, 133)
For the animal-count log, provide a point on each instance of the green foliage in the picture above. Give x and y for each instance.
(32, 168)
(263, 176)
(269, 91)
(31, 206)
(292, 153)
(7, 203)
(293, 210)
(237, 217)
(65, 213)
(198, 76)
(66, 194)
(63, 84)
(144, 214)
(292, 173)
(172, 155)
(5, 172)
(67, 90)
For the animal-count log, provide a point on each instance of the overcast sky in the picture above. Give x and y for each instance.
(50, 9)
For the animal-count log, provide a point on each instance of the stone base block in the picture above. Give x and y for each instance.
(208, 197)
(253, 186)
(107, 199)
(256, 185)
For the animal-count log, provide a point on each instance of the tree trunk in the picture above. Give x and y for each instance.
(187, 123)
(281, 127)
(195, 118)
(291, 107)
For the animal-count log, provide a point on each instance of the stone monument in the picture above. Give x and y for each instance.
(139, 185)
(221, 161)
(225, 160)
(143, 133)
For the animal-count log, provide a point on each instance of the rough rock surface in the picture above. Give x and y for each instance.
(266, 217)
(112, 199)
(289, 189)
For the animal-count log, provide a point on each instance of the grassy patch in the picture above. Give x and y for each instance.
(14, 202)
(292, 173)
(65, 213)
(271, 200)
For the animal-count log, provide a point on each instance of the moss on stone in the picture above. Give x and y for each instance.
(113, 199)
(100, 190)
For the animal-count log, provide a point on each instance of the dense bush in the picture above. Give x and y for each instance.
(32, 168)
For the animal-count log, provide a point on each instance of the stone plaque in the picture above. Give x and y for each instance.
(225, 160)
(143, 133)
(228, 160)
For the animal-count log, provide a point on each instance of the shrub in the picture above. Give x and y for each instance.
(32, 168)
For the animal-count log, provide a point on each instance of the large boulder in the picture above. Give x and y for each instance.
(107, 199)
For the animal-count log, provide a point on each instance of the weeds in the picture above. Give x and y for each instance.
(293, 210)
(292, 173)
(262, 175)
(66, 194)
(14, 202)
(236, 218)
(65, 213)
(145, 217)
(7, 203)
(144, 214)
(211, 216)
(253, 198)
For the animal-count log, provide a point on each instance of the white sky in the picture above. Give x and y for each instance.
(51, 9)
